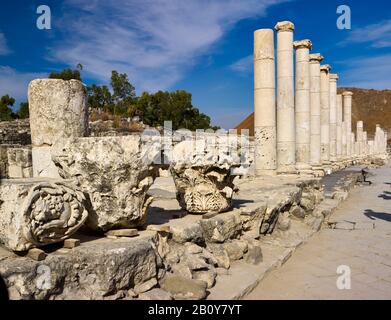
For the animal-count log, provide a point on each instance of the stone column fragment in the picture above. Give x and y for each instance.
(285, 98)
(315, 153)
(58, 109)
(264, 103)
(302, 104)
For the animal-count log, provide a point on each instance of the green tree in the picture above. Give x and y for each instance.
(99, 97)
(172, 106)
(124, 94)
(6, 113)
(23, 112)
(66, 74)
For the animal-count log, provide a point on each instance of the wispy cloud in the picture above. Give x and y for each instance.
(154, 42)
(369, 72)
(4, 50)
(243, 65)
(15, 83)
(378, 35)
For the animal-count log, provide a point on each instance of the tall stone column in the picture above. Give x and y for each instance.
(58, 109)
(377, 139)
(353, 145)
(364, 143)
(339, 127)
(302, 104)
(359, 137)
(333, 116)
(370, 147)
(344, 140)
(325, 113)
(315, 157)
(264, 103)
(347, 109)
(285, 99)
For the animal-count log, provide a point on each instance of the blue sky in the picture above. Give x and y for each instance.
(204, 47)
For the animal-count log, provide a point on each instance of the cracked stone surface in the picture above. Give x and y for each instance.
(114, 172)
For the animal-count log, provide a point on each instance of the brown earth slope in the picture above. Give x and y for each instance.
(371, 106)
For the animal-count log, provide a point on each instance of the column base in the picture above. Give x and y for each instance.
(303, 166)
(262, 172)
(287, 169)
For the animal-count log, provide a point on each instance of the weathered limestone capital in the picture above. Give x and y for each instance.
(202, 173)
(284, 26)
(333, 77)
(115, 172)
(325, 68)
(34, 213)
(347, 93)
(316, 58)
(306, 43)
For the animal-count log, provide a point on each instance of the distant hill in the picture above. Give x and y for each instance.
(371, 106)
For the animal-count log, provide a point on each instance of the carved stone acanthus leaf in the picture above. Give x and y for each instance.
(115, 172)
(203, 177)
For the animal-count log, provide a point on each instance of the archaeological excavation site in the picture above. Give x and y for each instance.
(176, 214)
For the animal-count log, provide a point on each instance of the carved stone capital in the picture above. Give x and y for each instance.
(116, 173)
(34, 214)
(316, 57)
(334, 77)
(306, 43)
(203, 176)
(284, 26)
(325, 68)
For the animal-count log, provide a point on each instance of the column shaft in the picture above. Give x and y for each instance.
(264, 102)
(302, 104)
(315, 154)
(333, 116)
(285, 99)
(339, 127)
(325, 113)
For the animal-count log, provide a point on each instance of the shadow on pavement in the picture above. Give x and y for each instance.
(373, 215)
(386, 195)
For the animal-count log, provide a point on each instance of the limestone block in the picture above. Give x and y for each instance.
(222, 227)
(183, 288)
(116, 174)
(35, 213)
(58, 109)
(43, 166)
(19, 162)
(203, 175)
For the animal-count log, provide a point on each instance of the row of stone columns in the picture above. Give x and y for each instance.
(301, 123)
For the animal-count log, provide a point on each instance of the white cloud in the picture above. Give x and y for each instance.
(369, 72)
(4, 50)
(243, 65)
(15, 83)
(154, 42)
(378, 34)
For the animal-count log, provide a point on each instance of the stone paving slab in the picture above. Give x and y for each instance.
(311, 272)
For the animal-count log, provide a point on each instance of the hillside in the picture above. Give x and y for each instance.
(371, 106)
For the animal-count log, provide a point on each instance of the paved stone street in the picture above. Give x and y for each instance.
(311, 273)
